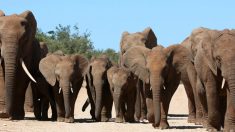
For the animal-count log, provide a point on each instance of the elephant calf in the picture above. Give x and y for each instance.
(123, 88)
(65, 74)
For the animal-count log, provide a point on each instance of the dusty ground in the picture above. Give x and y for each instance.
(177, 121)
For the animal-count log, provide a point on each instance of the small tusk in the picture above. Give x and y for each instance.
(26, 70)
(71, 90)
(223, 83)
(60, 90)
(150, 88)
(164, 87)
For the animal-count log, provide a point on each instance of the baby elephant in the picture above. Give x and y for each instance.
(65, 74)
(123, 88)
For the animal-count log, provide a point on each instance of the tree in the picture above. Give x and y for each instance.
(71, 42)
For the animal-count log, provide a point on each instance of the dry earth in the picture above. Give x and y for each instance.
(177, 120)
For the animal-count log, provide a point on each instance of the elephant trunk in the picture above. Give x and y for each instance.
(10, 60)
(67, 100)
(156, 90)
(98, 96)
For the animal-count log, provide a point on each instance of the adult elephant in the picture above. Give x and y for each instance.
(123, 88)
(214, 58)
(65, 74)
(147, 39)
(17, 33)
(163, 69)
(98, 88)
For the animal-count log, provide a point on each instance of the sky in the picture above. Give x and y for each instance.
(171, 20)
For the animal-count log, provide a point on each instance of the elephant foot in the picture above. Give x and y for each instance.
(212, 130)
(16, 117)
(45, 118)
(69, 120)
(191, 120)
(3, 115)
(150, 118)
(162, 125)
(104, 119)
(119, 120)
(60, 119)
(53, 117)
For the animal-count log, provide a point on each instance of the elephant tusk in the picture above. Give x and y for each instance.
(223, 83)
(60, 90)
(71, 90)
(26, 70)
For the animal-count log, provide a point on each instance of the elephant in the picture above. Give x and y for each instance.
(214, 56)
(65, 74)
(123, 89)
(18, 60)
(163, 68)
(148, 39)
(98, 89)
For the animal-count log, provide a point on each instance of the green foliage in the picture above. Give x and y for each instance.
(71, 42)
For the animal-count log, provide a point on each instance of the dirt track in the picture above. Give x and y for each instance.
(177, 120)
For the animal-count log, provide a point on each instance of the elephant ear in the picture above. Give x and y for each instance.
(151, 39)
(206, 47)
(28, 15)
(124, 34)
(135, 59)
(2, 13)
(82, 63)
(47, 68)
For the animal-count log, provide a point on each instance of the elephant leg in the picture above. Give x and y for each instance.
(202, 102)
(143, 102)
(29, 99)
(229, 123)
(213, 103)
(21, 86)
(149, 104)
(191, 101)
(137, 103)
(60, 109)
(44, 108)
(106, 112)
(130, 107)
(3, 113)
(166, 98)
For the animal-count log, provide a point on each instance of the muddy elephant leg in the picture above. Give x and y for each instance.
(213, 103)
(137, 103)
(44, 108)
(60, 109)
(191, 102)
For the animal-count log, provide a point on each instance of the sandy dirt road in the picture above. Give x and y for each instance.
(177, 120)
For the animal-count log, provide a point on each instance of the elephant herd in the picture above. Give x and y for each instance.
(141, 85)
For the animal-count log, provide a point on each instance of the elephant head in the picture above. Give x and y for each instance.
(122, 85)
(64, 72)
(98, 83)
(155, 66)
(145, 38)
(17, 33)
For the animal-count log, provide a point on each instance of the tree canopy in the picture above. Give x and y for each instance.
(71, 41)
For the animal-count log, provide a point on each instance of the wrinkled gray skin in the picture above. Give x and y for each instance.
(17, 33)
(98, 88)
(65, 74)
(123, 88)
(214, 55)
(146, 38)
(162, 67)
